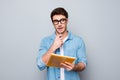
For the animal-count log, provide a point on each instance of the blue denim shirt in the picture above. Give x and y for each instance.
(74, 46)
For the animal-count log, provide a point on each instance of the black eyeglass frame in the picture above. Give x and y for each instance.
(62, 21)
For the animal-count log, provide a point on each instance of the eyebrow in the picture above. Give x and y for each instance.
(60, 19)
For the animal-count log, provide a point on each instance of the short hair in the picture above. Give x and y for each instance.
(59, 11)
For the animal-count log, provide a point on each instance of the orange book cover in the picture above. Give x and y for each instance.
(56, 59)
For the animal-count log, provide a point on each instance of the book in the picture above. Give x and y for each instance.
(55, 60)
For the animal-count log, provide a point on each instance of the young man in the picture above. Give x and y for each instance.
(62, 42)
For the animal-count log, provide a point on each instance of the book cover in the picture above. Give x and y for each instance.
(56, 59)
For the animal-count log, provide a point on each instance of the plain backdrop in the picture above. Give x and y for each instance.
(23, 23)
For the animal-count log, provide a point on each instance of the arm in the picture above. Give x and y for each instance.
(44, 52)
(56, 44)
(79, 67)
(75, 67)
(81, 59)
(46, 56)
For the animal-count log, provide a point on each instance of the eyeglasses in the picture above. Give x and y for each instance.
(62, 21)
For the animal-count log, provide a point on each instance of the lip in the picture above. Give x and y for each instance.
(60, 29)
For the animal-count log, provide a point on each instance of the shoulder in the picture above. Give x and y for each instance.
(47, 38)
(76, 37)
(78, 40)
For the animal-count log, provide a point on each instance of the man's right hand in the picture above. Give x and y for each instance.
(58, 42)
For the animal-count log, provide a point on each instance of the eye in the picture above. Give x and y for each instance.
(63, 20)
(55, 22)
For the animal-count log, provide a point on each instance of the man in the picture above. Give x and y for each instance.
(62, 42)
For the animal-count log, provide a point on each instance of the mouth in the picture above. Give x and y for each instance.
(60, 29)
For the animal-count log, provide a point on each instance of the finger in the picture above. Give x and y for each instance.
(60, 36)
(63, 65)
(61, 42)
(68, 69)
(66, 66)
(67, 63)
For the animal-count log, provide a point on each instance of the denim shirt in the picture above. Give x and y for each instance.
(74, 46)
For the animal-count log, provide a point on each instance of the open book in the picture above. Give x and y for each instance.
(56, 59)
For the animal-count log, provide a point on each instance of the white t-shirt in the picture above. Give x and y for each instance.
(62, 75)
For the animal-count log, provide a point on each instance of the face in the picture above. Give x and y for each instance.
(60, 23)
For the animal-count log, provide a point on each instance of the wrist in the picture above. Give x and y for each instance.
(75, 67)
(79, 67)
(52, 49)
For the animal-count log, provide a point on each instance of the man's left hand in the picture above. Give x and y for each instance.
(68, 66)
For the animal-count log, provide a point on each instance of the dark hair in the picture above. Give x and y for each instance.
(59, 11)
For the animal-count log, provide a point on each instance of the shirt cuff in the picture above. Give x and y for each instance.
(41, 64)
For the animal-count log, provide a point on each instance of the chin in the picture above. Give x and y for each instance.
(58, 32)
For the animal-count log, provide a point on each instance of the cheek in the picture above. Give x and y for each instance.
(65, 25)
(55, 26)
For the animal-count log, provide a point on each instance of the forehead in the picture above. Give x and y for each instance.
(58, 17)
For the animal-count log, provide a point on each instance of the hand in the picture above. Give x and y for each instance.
(57, 42)
(68, 66)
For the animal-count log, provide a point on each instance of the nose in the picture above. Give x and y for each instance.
(59, 23)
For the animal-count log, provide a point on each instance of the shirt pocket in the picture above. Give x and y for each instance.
(70, 51)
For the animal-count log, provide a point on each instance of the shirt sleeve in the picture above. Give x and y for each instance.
(42, 50)
(81, 52)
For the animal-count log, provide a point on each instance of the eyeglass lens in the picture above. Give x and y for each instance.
(62, 21)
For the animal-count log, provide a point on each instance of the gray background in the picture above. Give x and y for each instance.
(24, 22)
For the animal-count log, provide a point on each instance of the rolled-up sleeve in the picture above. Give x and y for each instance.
(81, 53)
(42, 50)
